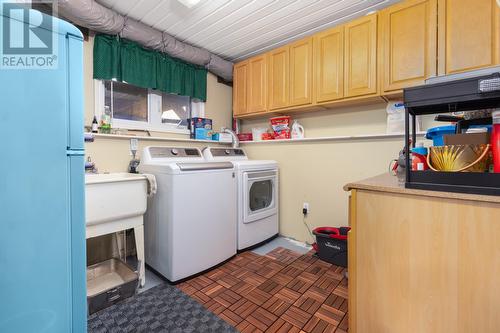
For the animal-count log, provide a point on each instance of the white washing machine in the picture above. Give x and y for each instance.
(189, 225)
(257, 195)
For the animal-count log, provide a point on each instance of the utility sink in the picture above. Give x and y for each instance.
(115, 202)
(114, 197)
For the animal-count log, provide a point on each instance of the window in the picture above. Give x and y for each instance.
(175, 110)
(126, 102)
(143, 109)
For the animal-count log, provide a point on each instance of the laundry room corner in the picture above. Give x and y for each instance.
(112, 154)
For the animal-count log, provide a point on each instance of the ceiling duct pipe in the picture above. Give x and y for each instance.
(95, 16)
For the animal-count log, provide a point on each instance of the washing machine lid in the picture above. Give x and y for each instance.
(224, 154)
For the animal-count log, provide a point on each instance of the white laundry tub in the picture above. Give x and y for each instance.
(115, 197)
(115, 202)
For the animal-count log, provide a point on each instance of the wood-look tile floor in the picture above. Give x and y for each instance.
(280, 292)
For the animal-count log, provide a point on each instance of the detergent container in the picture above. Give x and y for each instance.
(297, 130)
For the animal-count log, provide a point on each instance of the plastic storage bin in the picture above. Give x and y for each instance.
(108, 282)
(436, 134)
(331, 244)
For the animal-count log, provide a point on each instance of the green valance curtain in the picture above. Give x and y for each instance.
(127, 61)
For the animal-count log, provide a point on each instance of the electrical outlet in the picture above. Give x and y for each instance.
(305, 208)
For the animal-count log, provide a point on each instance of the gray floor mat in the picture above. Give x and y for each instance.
(163, 308)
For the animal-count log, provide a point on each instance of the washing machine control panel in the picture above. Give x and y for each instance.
(165, 152)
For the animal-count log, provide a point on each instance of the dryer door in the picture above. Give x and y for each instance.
(260, 194)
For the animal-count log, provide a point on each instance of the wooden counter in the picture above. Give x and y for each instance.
(422, 261)
(389, 183)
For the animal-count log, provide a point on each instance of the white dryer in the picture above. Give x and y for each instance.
(189, 225)
(257, 195)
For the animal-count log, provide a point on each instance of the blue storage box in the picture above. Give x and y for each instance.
(203, 134)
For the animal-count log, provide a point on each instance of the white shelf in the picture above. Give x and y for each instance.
(334, 138)
(153, 138)
(317, 139)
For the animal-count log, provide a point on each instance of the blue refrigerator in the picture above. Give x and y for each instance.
(42, 222)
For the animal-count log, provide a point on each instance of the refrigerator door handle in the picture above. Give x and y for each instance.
(75, 152)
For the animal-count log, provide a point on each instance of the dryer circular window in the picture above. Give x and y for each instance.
(259, 194)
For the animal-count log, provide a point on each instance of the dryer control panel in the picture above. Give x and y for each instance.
(227, 152)
(217, 153)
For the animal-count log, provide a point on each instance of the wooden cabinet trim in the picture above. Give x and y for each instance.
(351, 262)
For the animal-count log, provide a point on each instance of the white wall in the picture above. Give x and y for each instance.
(315, 172)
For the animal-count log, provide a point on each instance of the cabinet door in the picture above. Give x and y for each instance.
(301, 72)
(469, 36)
(257, 84)
(408, 43)
(329, 65)
(360, 75)
(240, 78)
(278, 78)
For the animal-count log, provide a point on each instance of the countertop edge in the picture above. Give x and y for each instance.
(389, 184)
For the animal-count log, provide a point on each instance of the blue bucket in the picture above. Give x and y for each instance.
(436, 134)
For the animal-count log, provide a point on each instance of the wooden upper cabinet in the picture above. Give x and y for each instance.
(329, 65)
(360, 74)
(301, 72)
(408, 43)
(240, 78)
(257, 83)
(469, 36)
(278, 62)
(378, 54)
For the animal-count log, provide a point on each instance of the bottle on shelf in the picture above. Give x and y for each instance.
(95, 125)
(106, 120)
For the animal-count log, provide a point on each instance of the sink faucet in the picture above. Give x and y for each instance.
(236, 141)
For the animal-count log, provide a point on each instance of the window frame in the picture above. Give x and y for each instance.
(154, 100)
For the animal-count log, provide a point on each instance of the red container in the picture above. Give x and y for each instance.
(267, 136)
(495, 146)
(495, 141)
(419, 162)
(245, 136)
(281, 127)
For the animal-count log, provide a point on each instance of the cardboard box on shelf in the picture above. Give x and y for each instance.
(467, 139)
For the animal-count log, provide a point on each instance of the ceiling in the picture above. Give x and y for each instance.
(238, 29)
